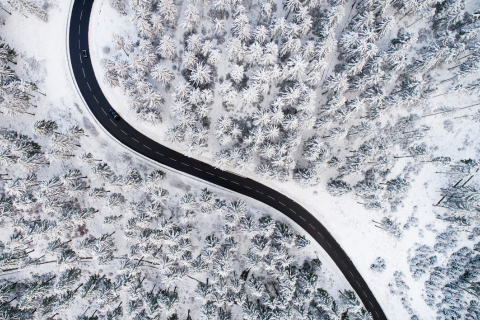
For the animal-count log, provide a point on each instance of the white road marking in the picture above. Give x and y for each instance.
(83, 2)
(328, 244)
(84, 73)
(292, 210)
(364, 293)
(79, 48)
(281, 203)
(271, 197)
(235, 182)
(78, 29)
(320, 234)
(81, 13)
(95, 98)
(350, 273)
(173, 159)
(89, 86)
(210, 174)
(311, 226)
(259, 192)
(158, 153)
(147, 147)
(185, 164)
(135, 140)
(223, 178)
(124, 132)
(113, 123)
(247, 187)
(198, 169)
(303, 218)
(104, 111)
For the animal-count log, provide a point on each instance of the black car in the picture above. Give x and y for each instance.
(114, 114)
(84, 53)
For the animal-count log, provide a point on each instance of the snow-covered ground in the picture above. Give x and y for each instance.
(42, 58)
(350, 223)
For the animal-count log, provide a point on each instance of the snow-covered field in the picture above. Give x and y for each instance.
(42, 58)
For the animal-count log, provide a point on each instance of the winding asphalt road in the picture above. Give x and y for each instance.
(90, 90)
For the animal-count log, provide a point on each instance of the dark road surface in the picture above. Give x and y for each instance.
(90, 90)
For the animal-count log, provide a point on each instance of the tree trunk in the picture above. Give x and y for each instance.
(467, 55)
(449, 111)
(78, 287)
(415, 22)
(439, 95)
(5, 303)
(455, 66)
(467, 181)
(445, 80)
(288, 14)
(138, 263)
(6, 10)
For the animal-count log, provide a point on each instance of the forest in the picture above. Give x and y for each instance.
(344, 96)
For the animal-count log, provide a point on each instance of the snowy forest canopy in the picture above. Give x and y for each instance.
(147, 241)
(272, 89)
(307, 91)
(129, 245)
(338, 92)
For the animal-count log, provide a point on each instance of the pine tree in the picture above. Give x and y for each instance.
(64, 143)
(97, 193)
(6, 157)
(162, 74)
(167, 47)
(44, 128)
(305, 176)
(118, 5)
(102, 172)
(115, 199)
(201, 75)
(168, 10)
(26, 6)
(338, 187)
(33, 163)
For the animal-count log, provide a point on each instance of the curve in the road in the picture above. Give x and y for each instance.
(92, 94)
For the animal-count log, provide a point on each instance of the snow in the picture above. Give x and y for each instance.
(44, 60)
(349, 222)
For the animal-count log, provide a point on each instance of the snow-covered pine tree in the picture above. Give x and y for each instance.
(44, 128)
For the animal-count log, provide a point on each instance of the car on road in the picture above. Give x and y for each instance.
(114, 114)
(84, 53)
